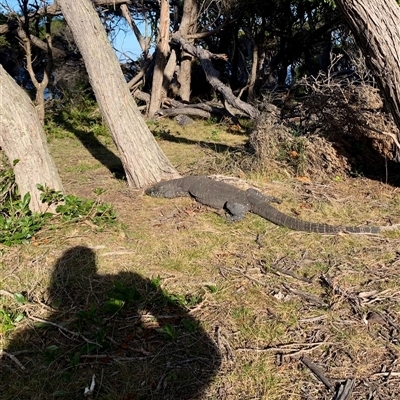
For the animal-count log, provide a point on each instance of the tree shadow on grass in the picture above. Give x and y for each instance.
(93, 145)
(216, 147)
(137, 339)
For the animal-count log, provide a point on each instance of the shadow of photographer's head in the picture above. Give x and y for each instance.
(137, 339)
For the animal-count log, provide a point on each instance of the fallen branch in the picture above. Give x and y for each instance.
(345, 390)
(194, 112)
(138, 77)
(202, 110)
(316, 370)
(287, 350)
(306, 296)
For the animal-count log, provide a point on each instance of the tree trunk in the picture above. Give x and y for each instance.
(376, 27)
(143, 160)
(188, 25)
(157, 92)
(22, 138)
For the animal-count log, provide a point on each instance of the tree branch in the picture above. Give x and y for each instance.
(212, 75)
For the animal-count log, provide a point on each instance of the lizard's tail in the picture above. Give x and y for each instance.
(264, 209)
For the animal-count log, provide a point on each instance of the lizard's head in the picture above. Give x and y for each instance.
(167, 189)
(155, 191)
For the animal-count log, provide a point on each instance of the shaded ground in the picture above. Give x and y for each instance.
(267, 302)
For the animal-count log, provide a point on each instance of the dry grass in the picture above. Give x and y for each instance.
(213, 310)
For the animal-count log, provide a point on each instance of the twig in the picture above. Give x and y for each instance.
(223, 343)
(289, 273)
(307, 296)
(387, 374)
(13, 358)
(104, 358)
(6, 293)
(288, 349)
(239, 272)
(76, 334)
(313, 319)
(317, 372)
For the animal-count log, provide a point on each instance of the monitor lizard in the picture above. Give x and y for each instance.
(238, 202)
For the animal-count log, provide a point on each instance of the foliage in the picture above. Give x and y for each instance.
(18, 223)
(79, 116)
(121, 296)
(72, 208)
(4, 42)
(8, 320)
(290, 35)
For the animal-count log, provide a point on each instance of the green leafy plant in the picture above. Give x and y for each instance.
(189, 300)
(156, 282)
(168, 331)
(50, 353)
(191, 325)
(212, 288)
(121, 296)
(89, 316)
(215, 135)
(20, 298)
(17, 223)
(73, 208)
(98, 191)
(9, 319)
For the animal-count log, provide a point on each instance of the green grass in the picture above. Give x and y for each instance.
(171, 299)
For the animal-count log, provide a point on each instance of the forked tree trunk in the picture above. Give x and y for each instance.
(376, 27)
(143, 160)
(22, 138)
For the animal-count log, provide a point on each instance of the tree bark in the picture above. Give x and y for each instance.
(376, 27)
(143, 160)
(157, 90)
(22, 138)
(188, 25)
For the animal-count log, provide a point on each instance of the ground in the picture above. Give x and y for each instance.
(174, 301)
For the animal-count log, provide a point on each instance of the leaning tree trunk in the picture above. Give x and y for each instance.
(143, 160)
(376, 27)
(22, 138)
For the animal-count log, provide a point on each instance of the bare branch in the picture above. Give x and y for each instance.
(212, 75)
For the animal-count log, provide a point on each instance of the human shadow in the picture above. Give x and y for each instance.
(138, 340)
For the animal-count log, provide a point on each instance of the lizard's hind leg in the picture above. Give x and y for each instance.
(261, 196)
(237, 211)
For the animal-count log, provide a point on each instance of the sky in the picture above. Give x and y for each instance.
(127, 45)
(125, 41)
